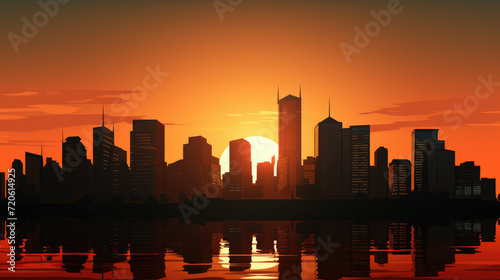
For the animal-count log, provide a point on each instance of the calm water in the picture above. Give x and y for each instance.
(64, 248)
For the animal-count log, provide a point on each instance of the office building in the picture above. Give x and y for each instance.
(290, 131)
(147, 159)
(399, 178)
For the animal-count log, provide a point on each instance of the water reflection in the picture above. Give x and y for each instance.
(138, 249)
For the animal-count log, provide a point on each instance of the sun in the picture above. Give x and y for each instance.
(263, 149)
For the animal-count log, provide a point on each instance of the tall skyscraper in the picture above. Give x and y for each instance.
(399, 178)
(379, 174)
(147, 158)
(290, 153)
(440, 171)
(77, 179)
(423, 140)
(34, 164)
(360, 160)
(468, 181)
(240, 169)
(103, 143)
(197, 164)
(216, 176)
(328, 154)
(120, 172)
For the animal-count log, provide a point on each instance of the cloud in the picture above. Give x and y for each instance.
(59, 121)
(264, 113)
(24, 93)
(454, 121)
(426, 107)
(173, 124)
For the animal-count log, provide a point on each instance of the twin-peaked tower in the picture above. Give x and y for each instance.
(290, 131)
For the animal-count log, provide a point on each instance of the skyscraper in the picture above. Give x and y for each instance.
(468, 181)
(290, 131)
(120, 172)
(265, 177)
(197, 173)
(379, 174)
(103, 143)
(440, 171)
(399, 178)
(147, 158)
(422, 141)
(360, 160)
(328, 154)
(77, 177)
(34, 164)
(240, 169)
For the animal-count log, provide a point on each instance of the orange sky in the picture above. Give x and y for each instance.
(222, 75)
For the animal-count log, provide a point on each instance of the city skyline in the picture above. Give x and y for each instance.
(341, 167)
(407, 77)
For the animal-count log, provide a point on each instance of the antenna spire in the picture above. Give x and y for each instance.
(103, 115)
(278, 93)
(328, 107)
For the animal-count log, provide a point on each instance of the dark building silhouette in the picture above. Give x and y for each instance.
(433, 167)
(77, 169)
(265, 177)
(34, 164)
(197, 163)
(399, 178)
(488, 189)
(20, 181)
(380, 174)
(423, 141)
(120, 174)
(359, 147)
(103, 146)
(173, 181)
(440, 171)
(147, 158)
(468, 181)
(290, 144)
(51, 181)
(328, 154)
(240, 169)
(309, 169)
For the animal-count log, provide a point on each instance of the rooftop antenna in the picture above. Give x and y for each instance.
(41, 149)
(103, 115)
(278, 93)
(328, 107)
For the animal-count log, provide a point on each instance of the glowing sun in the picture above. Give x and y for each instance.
(263, 149)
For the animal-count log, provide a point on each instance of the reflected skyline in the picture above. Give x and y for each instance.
(109, 248)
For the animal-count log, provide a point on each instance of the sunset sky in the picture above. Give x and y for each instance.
(217, 72)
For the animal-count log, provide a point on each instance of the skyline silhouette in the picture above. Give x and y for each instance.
(341, 167)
